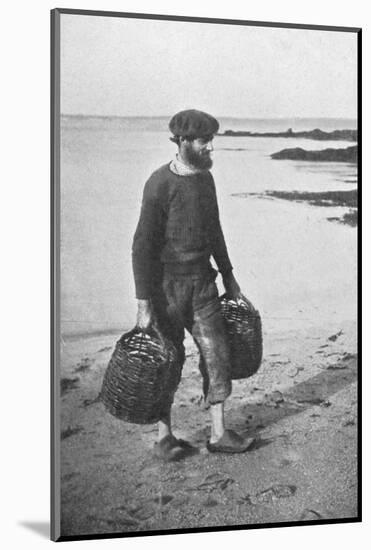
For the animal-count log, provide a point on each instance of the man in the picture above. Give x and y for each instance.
(178, 231)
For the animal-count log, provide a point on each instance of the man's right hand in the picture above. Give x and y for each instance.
(144, 314)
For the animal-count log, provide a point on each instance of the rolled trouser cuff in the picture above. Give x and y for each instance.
(219, 395)
(210, 335)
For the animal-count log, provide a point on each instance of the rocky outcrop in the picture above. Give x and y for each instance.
(317, 134)
(321, 198)
(349, 154)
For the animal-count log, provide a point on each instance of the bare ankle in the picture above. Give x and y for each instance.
(217, 422)
(164, 433)
(215, 436)
(164, 428)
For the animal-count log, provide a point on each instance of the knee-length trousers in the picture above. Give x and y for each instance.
(191, 302)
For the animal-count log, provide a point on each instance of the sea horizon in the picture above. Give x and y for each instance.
(232, 117)
(159, 123)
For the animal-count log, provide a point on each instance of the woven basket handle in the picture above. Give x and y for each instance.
(129, 335)
(245, 301)
(151, 330)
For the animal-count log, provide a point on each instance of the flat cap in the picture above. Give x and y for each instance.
(193, 123)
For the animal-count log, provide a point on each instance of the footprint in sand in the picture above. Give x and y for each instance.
(211, 502)
(215, 482)
(163, 499)
(246, 499)
(71, 431)
(310, 515)
(121, 523)
(136, 513)
(275, 492)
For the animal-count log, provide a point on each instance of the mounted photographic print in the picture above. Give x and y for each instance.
(204, 274)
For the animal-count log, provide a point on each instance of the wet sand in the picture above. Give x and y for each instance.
(301, 406)
(329, 199)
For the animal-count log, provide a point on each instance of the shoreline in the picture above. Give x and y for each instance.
(329, 199)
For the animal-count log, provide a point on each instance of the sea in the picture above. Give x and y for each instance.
(297, 267)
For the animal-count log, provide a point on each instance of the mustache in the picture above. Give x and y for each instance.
(198, 159)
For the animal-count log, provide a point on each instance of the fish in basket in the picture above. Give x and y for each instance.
(141, 377)
(244, 330)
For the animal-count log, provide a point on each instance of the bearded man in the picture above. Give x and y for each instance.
(178, 232)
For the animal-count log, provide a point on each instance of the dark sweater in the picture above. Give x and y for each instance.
(178, 228)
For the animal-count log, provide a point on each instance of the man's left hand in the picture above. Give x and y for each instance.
(232, 288)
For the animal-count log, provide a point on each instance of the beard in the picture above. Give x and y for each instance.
(200, 160)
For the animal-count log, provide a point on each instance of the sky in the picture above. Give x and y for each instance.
(134, 67)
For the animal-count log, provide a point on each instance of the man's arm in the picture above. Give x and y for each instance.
(144, 314)
(146, 250)
(220, 254)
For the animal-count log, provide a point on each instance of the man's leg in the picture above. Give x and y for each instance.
(210, 335)
(217, 422)
(164, 424)
(168, 304)
(211, 339)
(168, 447)
(216, 409)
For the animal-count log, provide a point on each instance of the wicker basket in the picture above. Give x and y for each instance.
(141, 377)
(245, 336)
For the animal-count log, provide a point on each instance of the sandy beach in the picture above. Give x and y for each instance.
(290, 231)
(301, 406)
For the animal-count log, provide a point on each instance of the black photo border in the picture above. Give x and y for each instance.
(55, 113)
